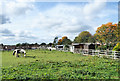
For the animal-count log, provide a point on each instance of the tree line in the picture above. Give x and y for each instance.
(107, 34)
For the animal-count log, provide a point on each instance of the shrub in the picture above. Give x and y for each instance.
(117, 47)
(102, 47)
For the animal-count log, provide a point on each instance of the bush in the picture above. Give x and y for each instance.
(102, 47)
(117, 47)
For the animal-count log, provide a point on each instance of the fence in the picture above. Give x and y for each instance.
(100, 53)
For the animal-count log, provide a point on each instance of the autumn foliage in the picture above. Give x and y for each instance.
(107, 33)
(64, 37)
(60, 40)
(64, 41)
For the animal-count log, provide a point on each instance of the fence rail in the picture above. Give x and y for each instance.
(100, 53)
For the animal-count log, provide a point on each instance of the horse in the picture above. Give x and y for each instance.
(17, 51)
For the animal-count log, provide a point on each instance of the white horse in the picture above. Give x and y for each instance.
(17, 51)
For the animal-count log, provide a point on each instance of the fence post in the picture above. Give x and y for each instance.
(114, 54)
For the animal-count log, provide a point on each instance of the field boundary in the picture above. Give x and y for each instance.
(100, 53)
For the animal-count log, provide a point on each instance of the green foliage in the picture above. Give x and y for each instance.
(92, 39)
(55, 40)
(48, 65)
(102, 47)
(43, 44)
(18, 44)
(50, 44)
(66, 42)
(83, 37)
(117, 47)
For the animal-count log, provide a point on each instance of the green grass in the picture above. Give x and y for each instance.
(44, 64)
(43, 55)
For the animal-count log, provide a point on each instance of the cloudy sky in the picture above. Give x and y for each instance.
(37, 21)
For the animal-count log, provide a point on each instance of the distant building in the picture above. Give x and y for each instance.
(9, 47)
(76, 47)
(13, 47)
(51, 48)
(60, 47)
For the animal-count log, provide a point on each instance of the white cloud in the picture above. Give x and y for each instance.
(26, 35)
(68, 18)
(17, 8)
(25, 0)
(62, 19)
(12, 9)
(93, 9)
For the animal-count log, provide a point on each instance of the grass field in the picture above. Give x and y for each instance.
(44, 64)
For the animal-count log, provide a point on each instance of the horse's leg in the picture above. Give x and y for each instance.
(16, 54)
(24, 54)
(21, 54)
(13, 53)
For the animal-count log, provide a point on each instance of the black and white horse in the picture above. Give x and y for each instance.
(17, 51)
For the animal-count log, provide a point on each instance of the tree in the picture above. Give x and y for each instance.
(43, 44)
(25, 44)
(92, 39)
(83, 37)
(107, 33)
(117, 32)
(55, 40)
(64, 37)
(59, 41)
(18, 44)
(36, 44)
(50, 44)
(64, 41)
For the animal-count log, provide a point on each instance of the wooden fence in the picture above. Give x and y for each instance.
(100, 53)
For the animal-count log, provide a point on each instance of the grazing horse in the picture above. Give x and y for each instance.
(17, 51)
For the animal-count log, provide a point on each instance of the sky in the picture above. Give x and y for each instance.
(35, 21)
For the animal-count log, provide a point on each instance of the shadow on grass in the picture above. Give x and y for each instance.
(30, 57)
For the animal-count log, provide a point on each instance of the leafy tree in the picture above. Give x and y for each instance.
(117, 32)
(18, 44)
(50, 44)
(43, 44)
(64, 41)
(36, 44)
(75, 40)
(83, 37)
(92, 39)
(64, 37)
(106, 33)
(25, 44)
(55, 40)
(59, 41)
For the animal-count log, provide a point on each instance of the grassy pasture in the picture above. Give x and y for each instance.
(44, 64)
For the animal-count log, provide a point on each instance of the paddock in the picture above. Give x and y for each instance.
(43, 63)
